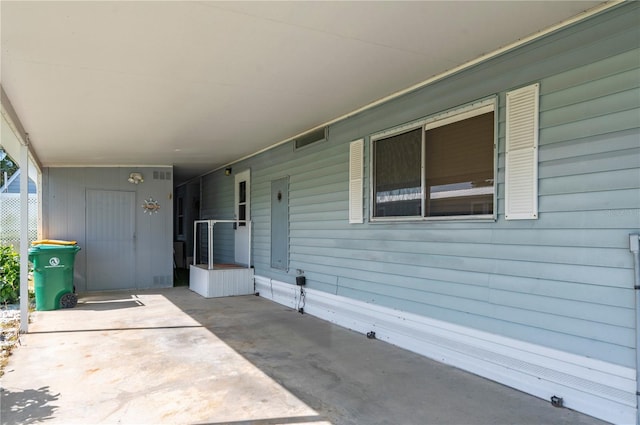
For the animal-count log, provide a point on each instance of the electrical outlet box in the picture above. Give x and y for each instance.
(557, 401)
(301, 280)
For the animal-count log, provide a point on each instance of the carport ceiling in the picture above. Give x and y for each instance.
(200, 84)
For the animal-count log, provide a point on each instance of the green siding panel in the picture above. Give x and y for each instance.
(593, 72)
(606, 123)
(603, 257)
(607, 143)
(594, 182)
(602, 162)
(603, 106)
(591, 90)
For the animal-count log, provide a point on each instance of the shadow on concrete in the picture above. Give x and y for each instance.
(27, 406)
(350, 380)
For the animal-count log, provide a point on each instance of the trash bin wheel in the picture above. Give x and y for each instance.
(68, 300)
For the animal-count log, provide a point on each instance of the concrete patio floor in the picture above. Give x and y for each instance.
(171, 356)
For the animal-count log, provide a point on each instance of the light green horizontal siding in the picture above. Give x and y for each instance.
(624, 66)
(606, 88)
(620, 143)
(602, 257)
(587, 164)
(566, 236)
(437, 265)
(622, 104)
(603, 181)
(606, 123)
(564, 280)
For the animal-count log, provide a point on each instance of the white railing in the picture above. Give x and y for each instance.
(210, 224)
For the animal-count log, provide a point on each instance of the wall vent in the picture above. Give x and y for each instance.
(310, 138)
(162, 175)
(162, 281)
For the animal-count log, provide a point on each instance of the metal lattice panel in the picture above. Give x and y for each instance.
(10, 219)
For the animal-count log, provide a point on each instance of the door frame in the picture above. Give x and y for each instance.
(242, 232)
(91, 259)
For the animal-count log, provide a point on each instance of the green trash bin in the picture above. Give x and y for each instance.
(53, 275)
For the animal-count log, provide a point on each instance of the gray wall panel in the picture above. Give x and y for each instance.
(65, 193)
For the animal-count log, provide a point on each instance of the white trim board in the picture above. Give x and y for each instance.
(597, 388)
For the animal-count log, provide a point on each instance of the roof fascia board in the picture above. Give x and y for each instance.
(109, 166)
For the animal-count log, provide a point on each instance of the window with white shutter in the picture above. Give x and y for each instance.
(356, 153)
(521, 164)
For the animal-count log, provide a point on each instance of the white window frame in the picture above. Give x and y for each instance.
(450, 116)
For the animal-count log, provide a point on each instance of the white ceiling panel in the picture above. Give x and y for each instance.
(200, 84)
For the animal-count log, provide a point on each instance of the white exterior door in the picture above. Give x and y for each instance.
(242, 212)
(110, 240)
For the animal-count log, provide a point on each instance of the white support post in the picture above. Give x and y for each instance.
(24, 238)
(249, 225)
(210, 224)
(195, 240)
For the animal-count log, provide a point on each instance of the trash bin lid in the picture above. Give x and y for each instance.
(53, 242)
(40, 248)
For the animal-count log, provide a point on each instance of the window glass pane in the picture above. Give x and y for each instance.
(398, 189)
(180, 216)
(459, 167)
(242, 191)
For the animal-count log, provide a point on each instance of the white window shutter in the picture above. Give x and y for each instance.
(521, 164)
(356, 154)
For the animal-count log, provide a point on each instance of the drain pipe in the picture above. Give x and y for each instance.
(634, 247)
